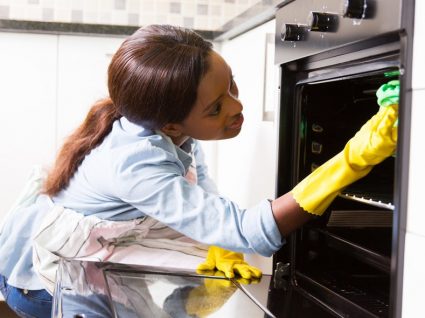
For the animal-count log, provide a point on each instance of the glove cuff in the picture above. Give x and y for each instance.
(317, 191)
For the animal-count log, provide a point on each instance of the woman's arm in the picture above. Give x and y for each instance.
(288, 214)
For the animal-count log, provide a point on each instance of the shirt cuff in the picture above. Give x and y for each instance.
(261, 228)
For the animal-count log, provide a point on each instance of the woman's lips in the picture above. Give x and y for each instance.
(237, 124)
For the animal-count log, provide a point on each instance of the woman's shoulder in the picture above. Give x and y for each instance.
(130, 145)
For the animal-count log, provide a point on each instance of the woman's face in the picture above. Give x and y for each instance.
(217, 113)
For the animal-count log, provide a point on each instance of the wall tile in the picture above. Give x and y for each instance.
(133, 6)
(175, 7)
(133, 19)
(34, 13)
(161, 18)
(4, 12)
(77, 16)
(202, 9)
(119, 18)
(414, 278)
(49, 3)
(105, 18)
(77, 4)
(148, 6)
(146, 19)
(188, 22)
(188, 9)
(91, 5)
(17, 12)
(120, 4)
(47, 14)
(215, 10)
(108, 11)
(175, 20)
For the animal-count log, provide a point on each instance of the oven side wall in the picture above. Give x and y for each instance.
(414, 230)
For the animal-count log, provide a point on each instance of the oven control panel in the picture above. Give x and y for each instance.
(308, 27)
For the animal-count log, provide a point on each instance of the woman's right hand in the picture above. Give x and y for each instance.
(377, 139)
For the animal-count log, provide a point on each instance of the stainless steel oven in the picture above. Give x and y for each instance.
(333, 56)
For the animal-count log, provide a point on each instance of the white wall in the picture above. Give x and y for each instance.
(414, 258)
(47, 84)
(246, 165)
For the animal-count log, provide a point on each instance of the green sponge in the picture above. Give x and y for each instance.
(388, 94)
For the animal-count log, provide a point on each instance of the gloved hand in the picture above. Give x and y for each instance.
(374, 142)
(212, 295)
(229, 263)
(388, 94)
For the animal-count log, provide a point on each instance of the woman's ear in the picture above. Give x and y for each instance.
(172, 130)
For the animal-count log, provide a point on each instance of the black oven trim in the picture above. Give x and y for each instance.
(306, 70)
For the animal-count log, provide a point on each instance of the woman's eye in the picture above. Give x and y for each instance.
(216, 110)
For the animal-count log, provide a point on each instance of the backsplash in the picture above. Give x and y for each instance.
(198, 14)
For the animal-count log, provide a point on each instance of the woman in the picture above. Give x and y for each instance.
(131, 179)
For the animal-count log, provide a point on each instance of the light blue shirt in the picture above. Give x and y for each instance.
(137, 172)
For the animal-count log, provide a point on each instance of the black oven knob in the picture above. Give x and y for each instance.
(322, 22)
(293, 32)
(354, 9)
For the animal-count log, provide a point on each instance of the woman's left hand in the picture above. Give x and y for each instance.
(230, 263)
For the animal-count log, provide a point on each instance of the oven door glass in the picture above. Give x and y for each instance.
(343, 258)
(91, 289)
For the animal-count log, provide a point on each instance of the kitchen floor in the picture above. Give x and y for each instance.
(6, 312)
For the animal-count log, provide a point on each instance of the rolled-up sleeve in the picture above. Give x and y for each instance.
(259, 224)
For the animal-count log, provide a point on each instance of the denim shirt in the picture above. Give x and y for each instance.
(136, 172)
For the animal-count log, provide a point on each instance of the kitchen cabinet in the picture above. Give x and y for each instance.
(47, 83)
(28, 108)
(82, 78)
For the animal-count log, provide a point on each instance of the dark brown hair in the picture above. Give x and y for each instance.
(152, 80)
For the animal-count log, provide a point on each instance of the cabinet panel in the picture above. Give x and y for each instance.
(27, 112)
(82, 77)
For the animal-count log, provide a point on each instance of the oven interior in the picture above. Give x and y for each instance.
(342, 260)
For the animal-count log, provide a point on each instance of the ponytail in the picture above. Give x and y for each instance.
(89, 135)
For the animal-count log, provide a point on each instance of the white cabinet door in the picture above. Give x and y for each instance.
(82, 77)
(27, 108)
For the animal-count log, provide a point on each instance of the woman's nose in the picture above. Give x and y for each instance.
(235, 106)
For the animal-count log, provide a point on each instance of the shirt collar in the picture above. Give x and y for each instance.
(184, 152)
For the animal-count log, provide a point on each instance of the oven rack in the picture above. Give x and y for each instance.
(380, 203)
(344, 295)
(375, 256)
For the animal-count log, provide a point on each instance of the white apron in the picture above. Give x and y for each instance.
(145, 241)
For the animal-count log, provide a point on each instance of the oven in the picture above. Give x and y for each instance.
(333, 56)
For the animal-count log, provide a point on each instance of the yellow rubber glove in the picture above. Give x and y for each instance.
(229, 263)
(212, 295)
(374, 142)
